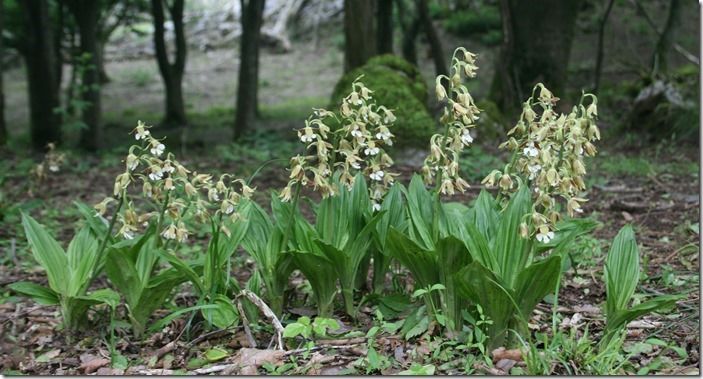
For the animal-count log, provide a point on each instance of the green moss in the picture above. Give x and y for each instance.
(399, 86)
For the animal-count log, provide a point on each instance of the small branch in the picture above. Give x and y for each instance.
(245, 323)
(267, 312)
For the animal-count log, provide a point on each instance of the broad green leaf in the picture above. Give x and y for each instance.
(622, 269)
(82, 256)
(566, 233)
(484, 288)
(174, 315)
(511, 250)
(621, 318)
(296, 329)
(321, 274)
(40, 294)
(484, 214)
(184, 269)
(535, 282)
(420, 203)
(103, 296)
(421, 263)
(121, 272)
(452, 256)
(215, 354)
(224, 315)
(48, 253)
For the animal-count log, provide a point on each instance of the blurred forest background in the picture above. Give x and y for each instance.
(82, 72)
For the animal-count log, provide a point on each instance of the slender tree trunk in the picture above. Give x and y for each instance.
(384, 27)
(172, 73)
(601, 35)
(3, 128)
(39, 55)
(432, 38)
(666, 39)
(534, 50)
(104, 78)
(247, 91)
(86, 13)
(359, 35)
(410, 23)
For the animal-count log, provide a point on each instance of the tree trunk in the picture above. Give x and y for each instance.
(86, 13)
(666, 39)
(432, 38)
(384, 27)
(3, 128)
(599, 56)
(537, 44)
(359, 36)
(247, 91)
(104, 78)
(410, 24)
(39, 55)
(172, 73)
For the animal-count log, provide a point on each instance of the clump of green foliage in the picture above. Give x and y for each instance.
(399, 86)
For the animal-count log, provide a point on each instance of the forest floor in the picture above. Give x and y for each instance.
(656, 191)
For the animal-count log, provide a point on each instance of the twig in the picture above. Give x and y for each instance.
(245, 323)
(267, 312)
(203, 337)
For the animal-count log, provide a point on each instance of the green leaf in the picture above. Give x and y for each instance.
(511, 250)
(215, 354)
(82, 260)
(418, 328)
(484, 215)
(420, 210)
(296, 329)
(104, 296)
(184, 269)
(321, 274)
(452, 256)
(535, 282)
(48, 253)
(621, 318)
(622, 269)
(121, 272)
(484, 288)
(421, 263)
(40, 294)
(224, 315)
(174, 315)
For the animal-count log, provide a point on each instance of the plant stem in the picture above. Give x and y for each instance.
(161, 219)
(103, 244)
(294, 205)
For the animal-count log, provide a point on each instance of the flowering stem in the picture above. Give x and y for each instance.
(161, 218)
(286, 236)
(103, 244)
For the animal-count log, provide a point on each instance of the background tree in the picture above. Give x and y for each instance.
(411, 26)
(440, 64)
(384, 26)
(113, 14)
(359, 33)
(537, 44)
(3, 127)
(666, 38)
(247, 91)
(36, 44)
(171, 73)
(599, 49)
(86, 13)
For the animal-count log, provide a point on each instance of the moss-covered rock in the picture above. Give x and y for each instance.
(399, 86)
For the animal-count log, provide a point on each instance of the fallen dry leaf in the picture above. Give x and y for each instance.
(505, 364)
(587, 309)
(250, 359)
(94, 364)
(503, 353)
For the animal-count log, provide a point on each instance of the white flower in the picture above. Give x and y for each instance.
(377, 176)
(533, 169)
(371, 151)
(141, 133)
(169, 233)
(356, 165)
(212, 195)
(156, 175)
(53, 168)
(530, 150)
(157, 149)
(466, 138)
(545, 237)
(356, 133)
(168, 168)
(127, 235)
(308, 137)
(376, 207)
(383, 135)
